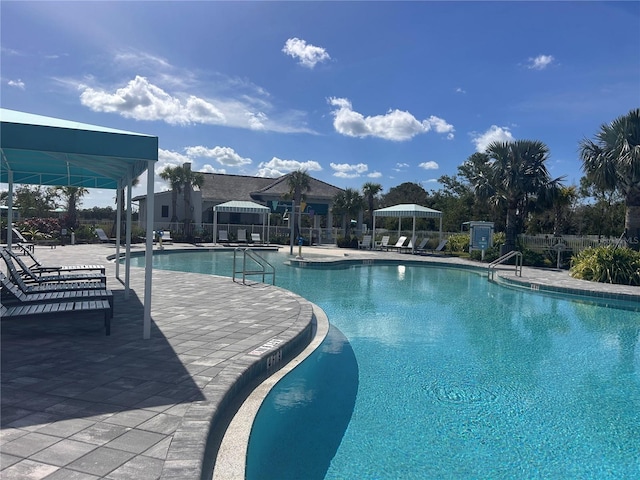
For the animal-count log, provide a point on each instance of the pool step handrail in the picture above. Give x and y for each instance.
(507, 256)
(260, 265)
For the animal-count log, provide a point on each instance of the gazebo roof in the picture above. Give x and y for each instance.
(241, 207)
(407, 210)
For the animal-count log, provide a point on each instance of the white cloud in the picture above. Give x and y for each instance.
(374, 175)
(16, 83)
(206, 168)
(460, 90)
(308, 55)
(141, 99)
(277, 167)
(395, 125)
(540, 62)
(223, 155)
(429, 165)
(402, 165)
(493, 134)
(345, 170)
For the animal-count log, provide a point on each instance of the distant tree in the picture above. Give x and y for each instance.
(348, 203)
(407, 192)
(612, 162)
(517, 177)
(123, 210)
(601, 212)
(563, 199)
(35, 201)
(370, 191)
(72, 198)
(299, 182)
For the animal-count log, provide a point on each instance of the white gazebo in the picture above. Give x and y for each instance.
(238, 206)
(407, 210)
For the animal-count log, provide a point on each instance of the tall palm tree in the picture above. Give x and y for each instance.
(73, 197)
(348, 203)
(612, 162)
(190, 179)
(175, 177)
(370, 191)
(516, 176)
(299, 182)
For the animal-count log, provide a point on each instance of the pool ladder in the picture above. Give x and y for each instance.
(507, 256)
(259, 265)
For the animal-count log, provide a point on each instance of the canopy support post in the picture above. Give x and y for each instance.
(119, 193)
(146, 328)
(127, 262)
(10, 211)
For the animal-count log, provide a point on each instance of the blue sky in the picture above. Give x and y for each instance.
(355, 92)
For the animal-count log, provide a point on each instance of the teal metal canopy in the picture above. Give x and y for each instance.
(49, 151)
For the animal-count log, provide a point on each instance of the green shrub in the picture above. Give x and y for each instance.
(607, 264)
(347, 242)
(458, 243)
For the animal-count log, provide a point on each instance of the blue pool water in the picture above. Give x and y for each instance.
(436, 373)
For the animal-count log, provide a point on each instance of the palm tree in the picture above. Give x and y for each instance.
(191, 179)
(348, 203)
(370, 191)
(73, 196)
(175, 177)
(612, 162)
(516, 176)
(299, 183)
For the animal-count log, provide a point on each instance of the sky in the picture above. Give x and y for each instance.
(353, 92)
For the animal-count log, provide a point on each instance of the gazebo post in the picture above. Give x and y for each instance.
(146, 326)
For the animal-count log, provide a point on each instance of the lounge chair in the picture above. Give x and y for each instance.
(57, 308)
(421, 246)
(439, 248)
(166, 237)
(409, 246)
(12, 294)
(57, 286)
(39, 267)
(365, 243)
(242, 236)
(223, 236)
(103, 236)
(21, 241)
(255, 238)
(32, 276)
(383, 244)
(398, 245)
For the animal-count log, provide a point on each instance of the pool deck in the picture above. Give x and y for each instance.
(77, 404)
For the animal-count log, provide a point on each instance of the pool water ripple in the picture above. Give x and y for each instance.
(437, 374)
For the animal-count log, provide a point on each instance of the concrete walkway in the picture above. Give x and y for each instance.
(77, 404)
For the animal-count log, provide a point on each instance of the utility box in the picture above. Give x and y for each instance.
(481, 234)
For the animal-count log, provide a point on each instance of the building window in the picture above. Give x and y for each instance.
(165, 211)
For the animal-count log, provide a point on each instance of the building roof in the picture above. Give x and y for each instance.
(219, 188)
(318, 191)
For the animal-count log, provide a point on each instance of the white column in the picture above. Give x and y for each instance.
(127, 261)
(150, 204)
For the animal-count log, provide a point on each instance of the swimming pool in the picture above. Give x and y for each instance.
(436, 373)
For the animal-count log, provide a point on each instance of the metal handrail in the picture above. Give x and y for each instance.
(504, 258)
(265, 268)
